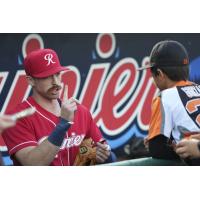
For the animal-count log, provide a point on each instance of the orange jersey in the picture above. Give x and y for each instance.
(176, 111)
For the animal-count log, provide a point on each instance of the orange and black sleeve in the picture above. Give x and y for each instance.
(159, 145)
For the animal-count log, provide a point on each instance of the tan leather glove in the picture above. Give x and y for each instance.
(87, 153)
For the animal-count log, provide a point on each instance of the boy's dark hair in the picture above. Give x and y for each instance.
(173, 73)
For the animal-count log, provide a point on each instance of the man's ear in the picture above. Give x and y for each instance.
(30, 80)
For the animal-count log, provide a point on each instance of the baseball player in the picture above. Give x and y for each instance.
(59, 132)
(175, 111)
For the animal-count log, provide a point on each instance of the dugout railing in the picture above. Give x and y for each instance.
(147, 162)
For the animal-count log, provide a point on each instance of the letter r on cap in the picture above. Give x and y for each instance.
(49, 58)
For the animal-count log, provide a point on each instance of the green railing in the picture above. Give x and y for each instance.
(147, 162)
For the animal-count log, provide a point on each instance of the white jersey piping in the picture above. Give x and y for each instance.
(21, 144)
(41, 113)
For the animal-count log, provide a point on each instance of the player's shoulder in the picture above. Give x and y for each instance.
(169, 92)
(82, 108)
(174, 91)
(192, 88)
(170, 98)
(83, 112)
(20, 106)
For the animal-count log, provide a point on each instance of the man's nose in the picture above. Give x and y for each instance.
(55, 79)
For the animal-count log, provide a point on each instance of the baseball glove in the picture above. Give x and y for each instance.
(86, 154)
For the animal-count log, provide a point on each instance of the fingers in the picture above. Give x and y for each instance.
(24, 113)
(68, 109)
(188, 148)
(180, 150)
(182, 143)
(72, 107)
(6, 118)
(103, 146)
(72, 104)
(65, 94)
(100, 157)
(76, 100)
(196, 136)
(69, 106)
(6, 122)
(72, 100)
(183, 150)
(183, 154)
(102, 153)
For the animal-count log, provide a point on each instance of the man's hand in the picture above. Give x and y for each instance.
(102, 152)
(188, 148)
(6, 121)
(68, 106)
(195, 136)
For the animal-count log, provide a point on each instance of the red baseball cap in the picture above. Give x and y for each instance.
(42, 63)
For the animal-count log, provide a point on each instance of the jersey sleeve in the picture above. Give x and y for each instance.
(161, 119)
(19, 136)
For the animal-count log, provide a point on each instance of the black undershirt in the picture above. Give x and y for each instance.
(159, 147)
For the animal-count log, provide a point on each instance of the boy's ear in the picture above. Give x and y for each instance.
(30, 80)
(160, 73)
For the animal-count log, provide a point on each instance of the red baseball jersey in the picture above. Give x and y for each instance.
(32, 130)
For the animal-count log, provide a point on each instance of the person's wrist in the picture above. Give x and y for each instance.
(64, 121)
(57, 136)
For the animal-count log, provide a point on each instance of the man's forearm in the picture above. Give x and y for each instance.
(44, 153)
(41, 155)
